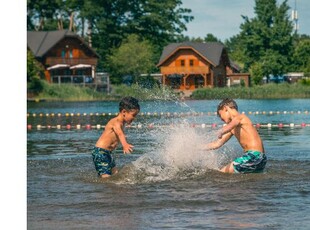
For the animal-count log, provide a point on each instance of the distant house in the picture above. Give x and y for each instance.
(65, 56)
(192, 65)
(234, 77)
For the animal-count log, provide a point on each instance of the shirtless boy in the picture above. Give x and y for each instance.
(112, 135)
(239, 125)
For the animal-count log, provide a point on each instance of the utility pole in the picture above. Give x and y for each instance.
(295, 18)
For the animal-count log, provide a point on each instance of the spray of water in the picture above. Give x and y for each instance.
(179, 155)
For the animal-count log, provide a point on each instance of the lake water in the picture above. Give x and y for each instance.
(167, 182)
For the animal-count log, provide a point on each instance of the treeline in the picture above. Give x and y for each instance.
(130, 35)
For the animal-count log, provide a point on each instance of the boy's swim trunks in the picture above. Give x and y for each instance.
(103, 160)
(251, 162)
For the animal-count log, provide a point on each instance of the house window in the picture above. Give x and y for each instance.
(191, 62)
(63, 53)
(70, 54)
(182, 62)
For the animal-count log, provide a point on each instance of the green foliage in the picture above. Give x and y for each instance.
(302, 56)
(68, 92)
(267, 91)
(257, 73)
(266, 39)
(133, 58)
(34, 71)
(211, 38)
(305, 82)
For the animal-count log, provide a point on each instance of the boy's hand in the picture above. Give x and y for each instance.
(220, 134)
(127, 149)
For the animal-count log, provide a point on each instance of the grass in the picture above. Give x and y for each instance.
(268, 91)
(67, 92)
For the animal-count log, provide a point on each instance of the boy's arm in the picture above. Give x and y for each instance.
(229, 127)
(127, 148)
(219, 142)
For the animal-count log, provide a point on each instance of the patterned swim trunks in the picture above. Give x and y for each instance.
(103, 161)
(251, 162)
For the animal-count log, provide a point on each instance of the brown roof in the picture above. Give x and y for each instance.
(210, 51)
(40, 42)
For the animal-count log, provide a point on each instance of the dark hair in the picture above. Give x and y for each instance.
(129, 103)
(227, 102)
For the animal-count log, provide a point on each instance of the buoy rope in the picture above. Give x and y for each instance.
(167, 114)
(152, 125)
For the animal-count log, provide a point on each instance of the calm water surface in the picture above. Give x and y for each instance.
(167, 183)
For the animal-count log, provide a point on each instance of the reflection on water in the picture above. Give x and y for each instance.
(168, 182)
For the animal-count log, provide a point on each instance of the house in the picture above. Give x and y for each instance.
(192, 65)
(64, 55)
(234, 77)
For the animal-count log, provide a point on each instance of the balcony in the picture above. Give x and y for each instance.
(185, 70)
(50, 61)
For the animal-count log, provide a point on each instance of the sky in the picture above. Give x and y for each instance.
(222, 18)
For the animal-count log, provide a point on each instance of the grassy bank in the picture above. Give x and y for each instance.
(66, 92)
(268, 91)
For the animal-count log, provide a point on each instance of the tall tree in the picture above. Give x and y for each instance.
(301, 56)
(266, 38)
(133, 57)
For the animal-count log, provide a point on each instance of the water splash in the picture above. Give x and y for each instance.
(179, 156)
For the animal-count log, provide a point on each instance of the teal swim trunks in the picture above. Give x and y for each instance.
(250, 162)
(103, 161)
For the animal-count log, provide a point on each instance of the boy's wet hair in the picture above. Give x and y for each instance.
(129, 103)
(227, 102)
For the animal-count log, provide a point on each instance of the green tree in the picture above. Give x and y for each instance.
(134, 57)
(211, 38)
(42, 14)
(34, 73)
(266, 38)
(158, 21)
(301, 56)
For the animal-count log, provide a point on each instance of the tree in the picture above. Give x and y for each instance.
(158, 21)
(133, 57)
(301, 56)
(266, 39)
(34, 73)
(211, 38)
(41, 14)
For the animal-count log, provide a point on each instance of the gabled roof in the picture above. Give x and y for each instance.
(40, 42)
(211, 51)
(234, 66)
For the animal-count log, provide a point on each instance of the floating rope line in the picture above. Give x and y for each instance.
(166, 114)
(152, 125)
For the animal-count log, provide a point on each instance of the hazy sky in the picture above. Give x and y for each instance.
(222, 18)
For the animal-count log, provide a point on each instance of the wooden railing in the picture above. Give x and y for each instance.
(185, 70)
(70, 61)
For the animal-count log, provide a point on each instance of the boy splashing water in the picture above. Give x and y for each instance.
(239, 125)
(112, 135)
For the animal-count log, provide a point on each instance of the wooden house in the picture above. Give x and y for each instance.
(235, 77)
(192, 65)
(64, 55)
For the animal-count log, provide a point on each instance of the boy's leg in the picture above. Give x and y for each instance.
(228, 168)
(114, 170)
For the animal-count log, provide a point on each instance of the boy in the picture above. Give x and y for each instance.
(112, 135)
(239, 125)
